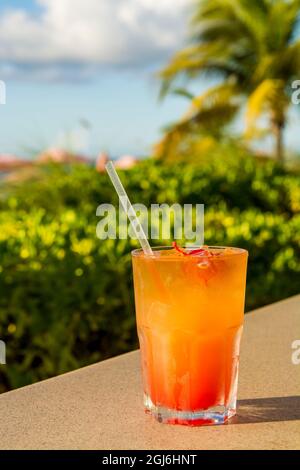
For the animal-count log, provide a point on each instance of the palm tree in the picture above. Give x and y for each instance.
(251, 47)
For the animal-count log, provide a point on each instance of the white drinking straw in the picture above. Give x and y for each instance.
(129, 210)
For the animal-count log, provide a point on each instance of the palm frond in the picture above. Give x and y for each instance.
(284, 18)
(223, 17)
(206, 119)
(184, 93)
(290, 61)
(214, 99)
(204, 59)
(269, 97)
(191, 60)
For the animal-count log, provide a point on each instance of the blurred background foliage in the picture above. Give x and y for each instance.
(66, 298)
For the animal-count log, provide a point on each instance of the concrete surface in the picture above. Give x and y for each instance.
(100, 407)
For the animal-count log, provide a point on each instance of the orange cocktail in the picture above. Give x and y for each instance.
(190, 309)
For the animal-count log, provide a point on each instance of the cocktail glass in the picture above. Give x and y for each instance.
(190, 310)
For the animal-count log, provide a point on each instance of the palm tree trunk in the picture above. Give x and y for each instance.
(279, 145)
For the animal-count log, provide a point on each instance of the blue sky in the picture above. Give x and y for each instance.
(107, 78)
(122, 109)
(46, 100)
(30, 4)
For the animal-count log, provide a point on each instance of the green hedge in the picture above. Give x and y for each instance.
(66, 297)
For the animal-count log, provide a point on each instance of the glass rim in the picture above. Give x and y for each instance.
(138, 252)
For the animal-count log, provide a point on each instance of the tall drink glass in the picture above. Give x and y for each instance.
(190, 310)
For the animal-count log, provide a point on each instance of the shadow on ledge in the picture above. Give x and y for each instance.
(266, 410)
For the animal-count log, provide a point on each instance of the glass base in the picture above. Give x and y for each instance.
(209, 417)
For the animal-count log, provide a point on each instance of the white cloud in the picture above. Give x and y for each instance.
(90, 33)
